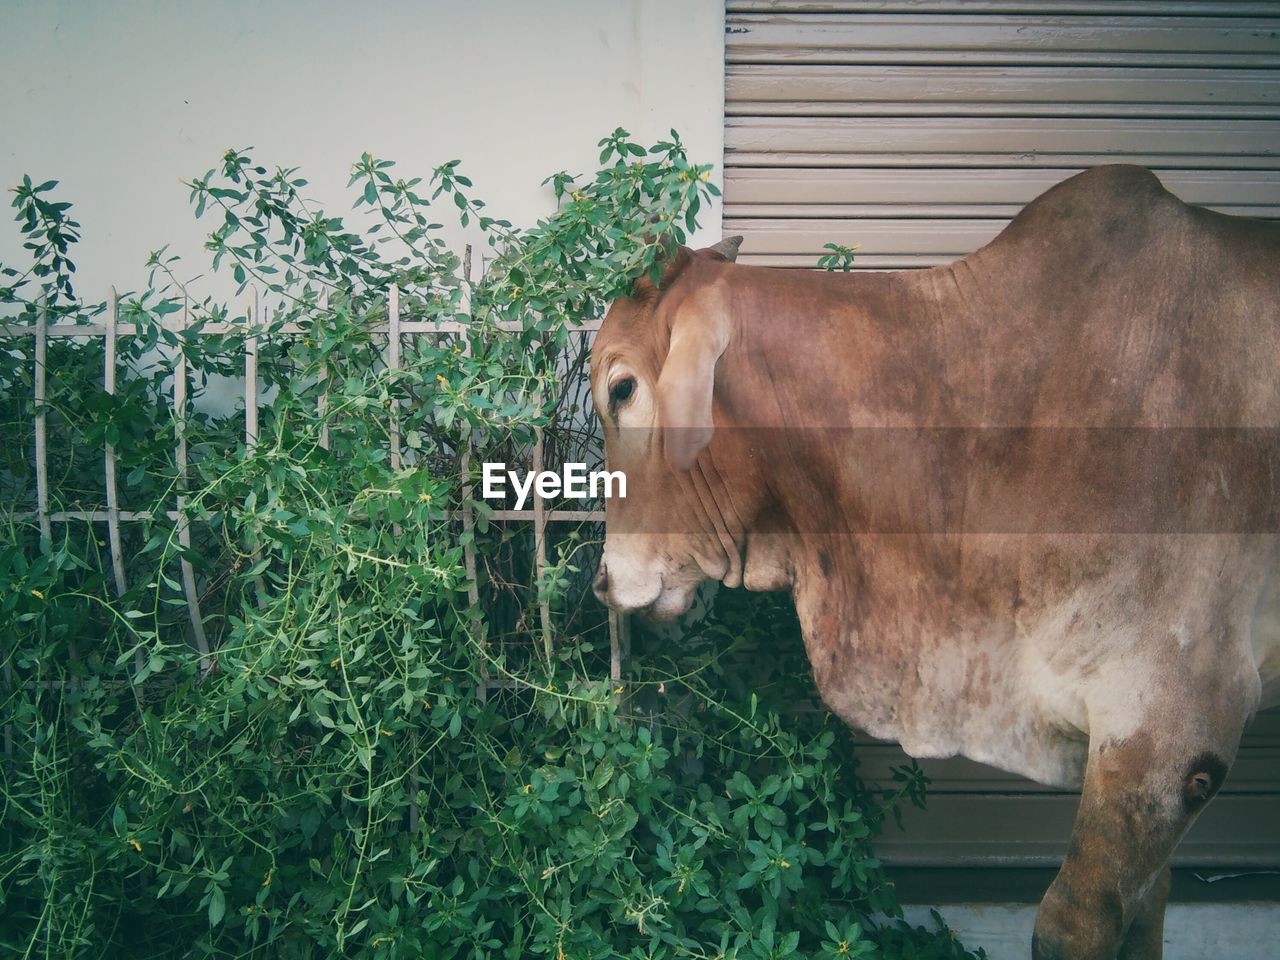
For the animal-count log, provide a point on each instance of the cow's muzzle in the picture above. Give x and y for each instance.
(600, 586)
(663, 602)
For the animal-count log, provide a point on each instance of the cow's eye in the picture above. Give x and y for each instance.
(621, 391)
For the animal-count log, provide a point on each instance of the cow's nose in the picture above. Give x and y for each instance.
(600, 586)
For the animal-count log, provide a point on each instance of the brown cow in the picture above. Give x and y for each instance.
(1023, 502)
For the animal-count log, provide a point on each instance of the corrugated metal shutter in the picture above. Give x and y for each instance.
(918, 128)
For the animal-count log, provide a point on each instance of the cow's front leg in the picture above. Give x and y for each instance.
(1144, 939)
(1141, 792)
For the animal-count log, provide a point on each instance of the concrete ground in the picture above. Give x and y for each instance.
(1192, 931)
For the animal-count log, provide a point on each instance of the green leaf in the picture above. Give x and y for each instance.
(217, 906)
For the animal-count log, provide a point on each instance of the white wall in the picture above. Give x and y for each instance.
(119, 100)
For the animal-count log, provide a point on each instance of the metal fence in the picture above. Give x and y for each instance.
(395, 329)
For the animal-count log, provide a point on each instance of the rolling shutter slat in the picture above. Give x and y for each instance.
(1010, 187)
(997, 39)
(1110, 8)
(798, 90)
(1033, 830)
(1001, 141)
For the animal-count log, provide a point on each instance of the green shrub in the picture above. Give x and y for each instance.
(328, 780)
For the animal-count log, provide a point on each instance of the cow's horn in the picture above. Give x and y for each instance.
(728, 248)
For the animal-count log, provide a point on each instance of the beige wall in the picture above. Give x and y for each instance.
(119, 100)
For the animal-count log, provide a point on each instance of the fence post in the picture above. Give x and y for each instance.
(42, 434)
(184, 531)
(468, 519)
(322, 408)
(253, 313)
(540, 546)
(251, 378)
(393, 365)
(616, 627)
(113, 496)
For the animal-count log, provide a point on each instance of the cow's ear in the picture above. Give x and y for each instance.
(699, 335)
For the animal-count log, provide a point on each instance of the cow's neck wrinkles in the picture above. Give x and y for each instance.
(720, 515)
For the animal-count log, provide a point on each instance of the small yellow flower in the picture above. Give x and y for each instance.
(784, 864)
(37, 593)
(527, 788)
(266, 881)
(186, 808)
(843, 947)
(426, 705)
(705, 176)
(440, 378)
(680, 887)
(384, 731)
(135, 844)
(334, 662)
(424, 497)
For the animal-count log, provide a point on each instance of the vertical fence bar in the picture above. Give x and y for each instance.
(184, 531)
(251, 377)
(109, 456)
(113, 497)
(9, 691)
(619, 648)
(393, 439)
(40, 398)
(322, 407)
(468, 518)
(619, 642)
(393, 365)
(540, 545)
(469, 565)
(253, 312)
(615, 646)
(42, 422)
